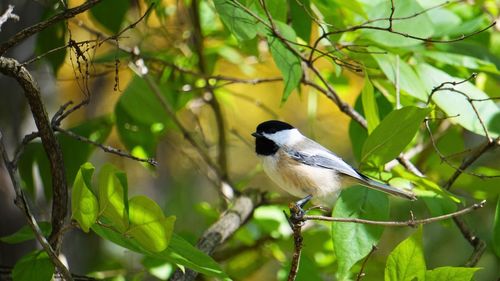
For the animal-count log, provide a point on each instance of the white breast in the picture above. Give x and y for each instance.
(301, 180)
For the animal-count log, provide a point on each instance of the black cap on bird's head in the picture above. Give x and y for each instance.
(271, 127)
(263, 145)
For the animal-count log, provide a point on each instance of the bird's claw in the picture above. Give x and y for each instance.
(297, 211)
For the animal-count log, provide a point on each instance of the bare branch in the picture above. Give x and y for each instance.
(22, 203)
(12, 68)
(29, 31)
(361, 273)
(411, 222)
(106, 148)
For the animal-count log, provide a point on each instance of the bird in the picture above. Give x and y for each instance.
(305, 169)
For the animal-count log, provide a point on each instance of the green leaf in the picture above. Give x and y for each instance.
(352, 241)
(301, 21)
(392, 135)
(449, 273)
(179, 251)
(420, 26)
(182, 252)
(148, 224)
(496, 230)
(33, 266)
(112, 21)
(113, 196)
(409, 82)
(50, 38)
(240, 23)
(25, 233)
(84, 205)
(459, 60)
(286, 61)
(455, 104)
(370, 105)
(407, 262)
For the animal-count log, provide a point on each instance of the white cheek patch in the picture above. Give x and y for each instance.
(285, 137)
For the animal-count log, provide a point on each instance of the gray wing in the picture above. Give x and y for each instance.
(316, 155)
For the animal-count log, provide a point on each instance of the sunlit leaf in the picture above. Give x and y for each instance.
(392, 135)
(370, 105)
(408, 80)
(113, 196)
(407, 262)
(25, 233)
(148, 224)
(459, 60)
(352, 241)
(288, 63)
(420, 26)
(33, 266)
(84, 205)
(457, 105)
(449, 273)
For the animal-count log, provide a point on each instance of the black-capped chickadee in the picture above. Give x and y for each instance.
(304, 168)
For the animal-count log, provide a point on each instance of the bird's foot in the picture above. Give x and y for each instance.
(297, 211)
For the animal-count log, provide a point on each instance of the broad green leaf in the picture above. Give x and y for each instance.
(113, 197)
(148, 224)
(33, 266)
(420, 26)
(84, 205)
(182, 252)
(370, 105)
(392, 135)
(301, 21)
(449, 273)
(112, 21)
(409, 82)
(75, 153)
(496, 230)
(457, 105)
(51, 38)
(25, 233)
(407, 262)
(462, 61)
(444, 21)
(286, 61)
(240, 23)
(352, 241)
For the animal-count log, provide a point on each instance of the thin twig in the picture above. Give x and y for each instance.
(411, 222)
(106, 148)
(296, 226)
(361, 272)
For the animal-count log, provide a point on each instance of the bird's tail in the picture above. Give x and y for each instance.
(388, 189)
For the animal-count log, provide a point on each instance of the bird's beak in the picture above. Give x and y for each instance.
(255, 134)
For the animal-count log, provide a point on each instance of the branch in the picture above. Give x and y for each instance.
(106, 148)
(411, 222)
(230, 221)
(8, 14)
(32, 30)
(12, 68)
(296, 223)
(361, 273)
(22, 203)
